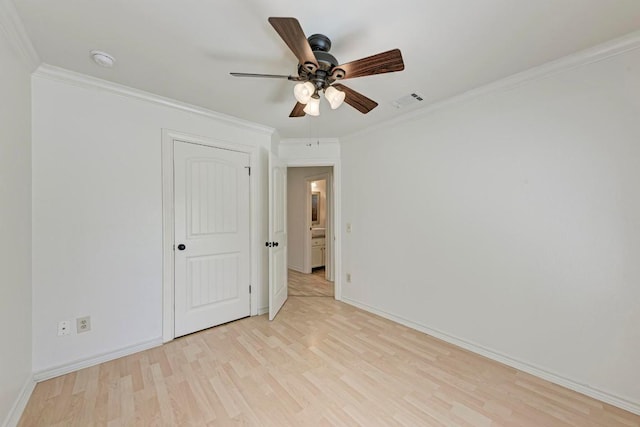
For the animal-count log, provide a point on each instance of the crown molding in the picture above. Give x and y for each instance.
(63, 75)
(13, 29)
(588, 56)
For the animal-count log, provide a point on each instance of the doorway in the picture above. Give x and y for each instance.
(209, 249)
(211, 205)
(311, 231)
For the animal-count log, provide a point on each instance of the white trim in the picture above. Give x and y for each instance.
(588, 56)
(82, 80)
(263, 310)
(168, 138)
(95, 360)
(13, 417)
(296, 268)
(168, 324)
(13, 29)
(312, 162)
(555, 378)
(306, 241)
(337, 213)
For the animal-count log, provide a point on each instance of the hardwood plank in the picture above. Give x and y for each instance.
(321, 362)
(309, 285)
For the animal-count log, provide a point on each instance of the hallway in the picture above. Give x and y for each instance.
(310, 285)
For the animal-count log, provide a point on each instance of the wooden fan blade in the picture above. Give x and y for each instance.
(268, 76)
(356, 99)
(385, 62)
(290, 31)
(298, 110)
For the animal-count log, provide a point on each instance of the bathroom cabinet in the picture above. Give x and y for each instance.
(317, 252)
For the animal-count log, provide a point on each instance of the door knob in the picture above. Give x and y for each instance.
(181, 247)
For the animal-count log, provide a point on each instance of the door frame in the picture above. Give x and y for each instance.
(168, 240)
(337, 214)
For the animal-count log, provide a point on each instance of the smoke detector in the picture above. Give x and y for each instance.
(103, 59)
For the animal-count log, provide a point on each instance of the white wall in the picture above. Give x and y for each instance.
(296, 212)
(15, 223)
(314, 150)
(511, 222)
(97, 214)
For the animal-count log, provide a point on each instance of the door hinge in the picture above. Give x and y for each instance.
(248, 169)
(249, 288)
(174, 247)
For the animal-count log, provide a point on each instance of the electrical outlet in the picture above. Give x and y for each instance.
(348, 277)
(64, 327)
(83, 324)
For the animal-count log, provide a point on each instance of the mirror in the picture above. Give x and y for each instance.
(315, 208)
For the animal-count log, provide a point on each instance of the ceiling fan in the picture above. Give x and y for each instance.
(318, 70)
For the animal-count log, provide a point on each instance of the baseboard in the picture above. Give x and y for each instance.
(13, 417)
(96, 360)
(263, 310)
(296, 268)
(600, 395)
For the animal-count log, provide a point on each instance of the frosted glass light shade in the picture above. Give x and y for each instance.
(313, 107)
(303, 92)
(334, 96)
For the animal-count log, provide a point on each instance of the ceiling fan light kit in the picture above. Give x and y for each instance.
(318, 70)
(334, 96)
(313, 107)
(303, 92)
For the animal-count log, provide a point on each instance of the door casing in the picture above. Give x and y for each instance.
(168, 138)
(337, 214)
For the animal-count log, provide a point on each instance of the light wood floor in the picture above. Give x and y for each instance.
(310, 285)
(321, 362)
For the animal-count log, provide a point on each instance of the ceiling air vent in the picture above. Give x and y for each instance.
(407, 100)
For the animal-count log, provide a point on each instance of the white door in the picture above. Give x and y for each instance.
(211, 236)
(277, 244)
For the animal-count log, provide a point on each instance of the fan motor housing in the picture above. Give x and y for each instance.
(320, 46)
(323, 76)
(326, 61)
(319, 42)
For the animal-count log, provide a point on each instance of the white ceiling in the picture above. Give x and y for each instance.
(185, 49)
